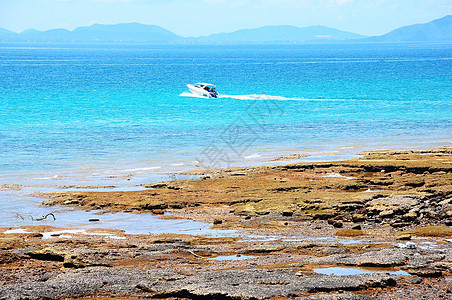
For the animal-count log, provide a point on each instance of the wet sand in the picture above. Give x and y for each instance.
(385, 216)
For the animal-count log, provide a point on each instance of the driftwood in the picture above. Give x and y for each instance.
(43, 217)
(19, 216)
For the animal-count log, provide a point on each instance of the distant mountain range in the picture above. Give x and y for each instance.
(439, 30)
(97, 33)
(280, 34)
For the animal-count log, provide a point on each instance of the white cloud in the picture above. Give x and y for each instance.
(236, 3)
(215, 2)
(342, 2)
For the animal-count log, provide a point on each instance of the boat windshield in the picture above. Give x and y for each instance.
(207, 87)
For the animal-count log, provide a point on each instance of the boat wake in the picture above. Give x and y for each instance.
(260, 97)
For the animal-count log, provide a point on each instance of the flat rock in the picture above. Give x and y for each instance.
(382, 258)
(82, 282)
(425, 272)
(225, 284)
(398, 202)
(260, 284)
(71, 258)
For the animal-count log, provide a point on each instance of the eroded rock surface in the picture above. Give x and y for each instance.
(229, 284)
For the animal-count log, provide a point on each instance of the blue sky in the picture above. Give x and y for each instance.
(203, 17)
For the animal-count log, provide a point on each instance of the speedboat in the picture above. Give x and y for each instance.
(204, 89)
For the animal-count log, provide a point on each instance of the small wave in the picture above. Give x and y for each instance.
(252, 156)
(176, 165)
(141, 169)
(54, 177)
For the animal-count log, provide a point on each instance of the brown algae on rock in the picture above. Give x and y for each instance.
(349, 232)
(431, 231)
(413, 187)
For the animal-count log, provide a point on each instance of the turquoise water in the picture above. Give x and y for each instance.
(102, 114)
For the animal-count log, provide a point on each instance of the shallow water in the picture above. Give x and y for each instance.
(130, 223)
(121, 115)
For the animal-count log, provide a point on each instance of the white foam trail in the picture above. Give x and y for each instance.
(257, 97)
(275, 98)
(260, 97)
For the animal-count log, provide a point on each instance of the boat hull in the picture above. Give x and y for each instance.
(202, 92)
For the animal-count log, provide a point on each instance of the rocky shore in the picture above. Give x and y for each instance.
(380, 223)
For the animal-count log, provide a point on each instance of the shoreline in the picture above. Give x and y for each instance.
(387, 211)
(130, 174)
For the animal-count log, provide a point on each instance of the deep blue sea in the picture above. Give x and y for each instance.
(122, 115)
